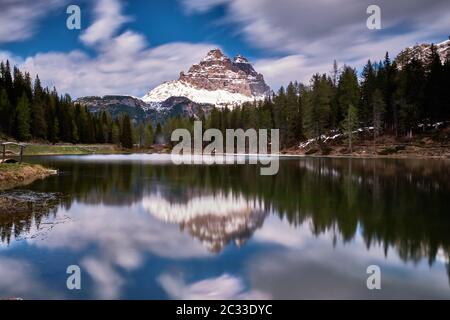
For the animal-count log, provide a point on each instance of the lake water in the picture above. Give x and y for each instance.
(141, 228)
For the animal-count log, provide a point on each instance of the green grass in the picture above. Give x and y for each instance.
(10, 167)
(44, 149)
(13, 167)
(391, 150)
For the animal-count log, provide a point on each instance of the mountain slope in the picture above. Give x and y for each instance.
(422, 52)
(139, 111)
(215, 80)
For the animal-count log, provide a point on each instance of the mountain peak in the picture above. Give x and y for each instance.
(215, 80)
(215, 55)
(240, 59)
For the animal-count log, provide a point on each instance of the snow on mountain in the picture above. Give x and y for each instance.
(422, 52)
(234, 217)
(182, 89)
(215, 80)
(240, 59)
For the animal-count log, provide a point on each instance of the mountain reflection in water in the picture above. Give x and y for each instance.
(129, 208)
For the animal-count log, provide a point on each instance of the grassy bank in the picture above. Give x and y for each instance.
(15, 175)
(67, 149)
(41, 149)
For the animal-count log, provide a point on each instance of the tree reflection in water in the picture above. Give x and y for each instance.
(400, 204)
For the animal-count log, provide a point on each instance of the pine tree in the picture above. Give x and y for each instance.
(348, 93)
(368, 86)
(115, 134)
(293, 119)
(127, 134)
(265, 115)
(23, 119)
(318, 102)
(388, 85)
(149, 135)
(378, 110)
(51, 121)
(4, 111)
(38, 123)
(350, 124)
(409, 95)
(435, 91)
(280, 116)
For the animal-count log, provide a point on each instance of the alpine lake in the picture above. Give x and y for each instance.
(140, 227)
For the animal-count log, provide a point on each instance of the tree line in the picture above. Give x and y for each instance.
(29, 111)
(389, 98)
(386, 97)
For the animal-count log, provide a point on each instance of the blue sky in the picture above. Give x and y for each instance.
(128, 47)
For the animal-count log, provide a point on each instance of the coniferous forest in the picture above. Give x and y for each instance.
(29, 111)
(388, 98)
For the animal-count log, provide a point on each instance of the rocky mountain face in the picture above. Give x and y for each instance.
(219, 81)
(218, 72)
(216, 80)
(234, 219)
(422, 52)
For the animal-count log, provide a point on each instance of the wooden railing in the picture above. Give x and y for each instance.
(22, 146)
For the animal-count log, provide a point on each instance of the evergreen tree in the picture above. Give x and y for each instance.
(368, 86)
(378, 110)
(38, 123)
(265, 115)
(149, 135)
(435, 91)
(51, 121)
(348, 93)
(409, 95)
(127, 134)
(294, 130)
(388, 86)
(4, 111)
(350, 124)
(318, 106)
(23, 119)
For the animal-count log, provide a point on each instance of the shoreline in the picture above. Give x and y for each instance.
(18, 175)
(281, 155)
(361, 152)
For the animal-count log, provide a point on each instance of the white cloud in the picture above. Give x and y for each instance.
(108, 283)
(108, 20)
(19, 18)
(125, 68)
(308, 35)
(224, 287)
(308, 266)
(124, 63)
(18, 279)
(279, 71)
(123, 239)
(305, 37)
